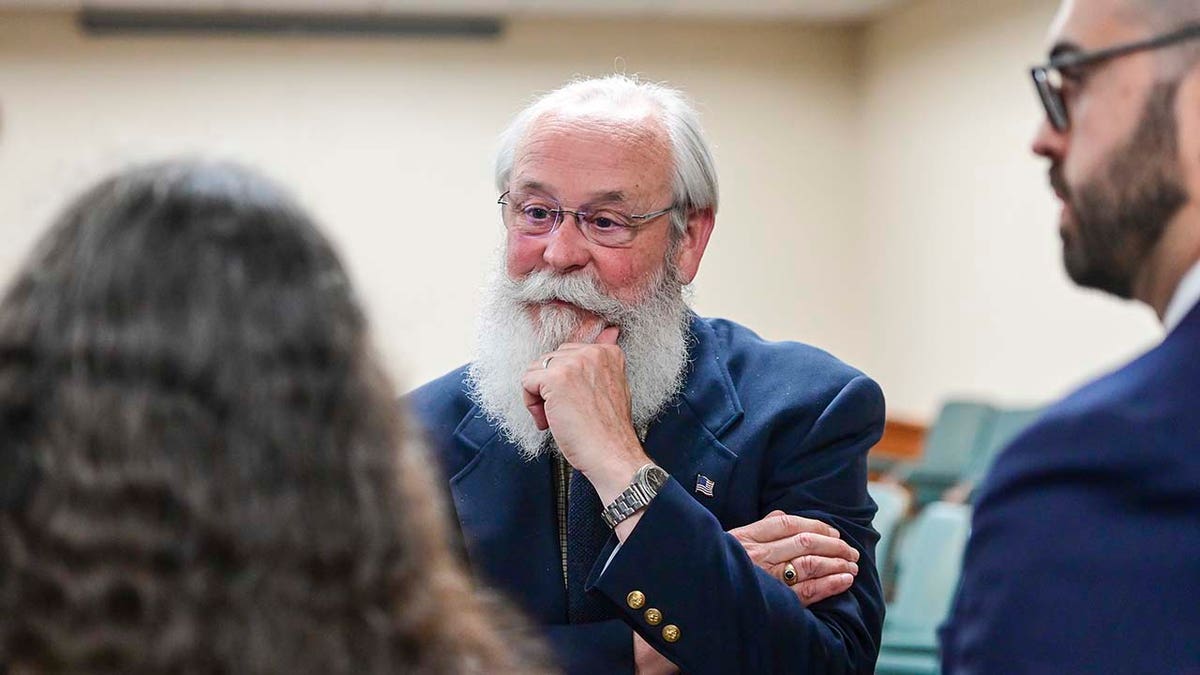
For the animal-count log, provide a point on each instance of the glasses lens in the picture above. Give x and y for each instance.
(1050, 92)
(532, 215)
(609, 228)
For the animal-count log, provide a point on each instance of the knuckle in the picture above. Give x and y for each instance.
(805, 540)
(810, 564)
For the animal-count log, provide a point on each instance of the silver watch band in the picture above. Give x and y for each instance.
(629, 502)
(641, 491)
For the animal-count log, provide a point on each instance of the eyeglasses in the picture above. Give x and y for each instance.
(1049, 78)
(537, 216)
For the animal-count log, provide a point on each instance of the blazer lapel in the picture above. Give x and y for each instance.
(506, 508)
(685, 440)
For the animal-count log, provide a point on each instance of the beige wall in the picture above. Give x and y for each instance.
(967, 292)
(374, 135)
(878, 197)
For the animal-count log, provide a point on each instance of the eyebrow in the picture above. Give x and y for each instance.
(601, 196)
(608, 196)
(535, 186)
(1062, 49)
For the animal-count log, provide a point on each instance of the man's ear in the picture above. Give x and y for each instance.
(695, 239)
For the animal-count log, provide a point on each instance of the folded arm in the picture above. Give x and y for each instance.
(728, 613)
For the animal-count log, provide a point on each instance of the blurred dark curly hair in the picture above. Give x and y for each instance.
(202, 466)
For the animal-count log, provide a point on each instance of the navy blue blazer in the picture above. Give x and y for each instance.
(774, 426)
(1085, 550)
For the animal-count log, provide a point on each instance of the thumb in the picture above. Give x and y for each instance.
(608, 336)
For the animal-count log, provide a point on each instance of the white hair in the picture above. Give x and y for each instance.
(694, 181)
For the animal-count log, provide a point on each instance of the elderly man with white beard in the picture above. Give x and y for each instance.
(660, 492)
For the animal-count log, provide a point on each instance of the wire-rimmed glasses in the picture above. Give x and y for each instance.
(535, 215)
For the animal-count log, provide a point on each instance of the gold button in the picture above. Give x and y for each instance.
(635, 599)
(653, 616)
(670, 632)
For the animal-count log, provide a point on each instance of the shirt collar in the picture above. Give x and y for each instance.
(1187, 294)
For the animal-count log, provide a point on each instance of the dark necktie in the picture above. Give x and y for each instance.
(586, 535)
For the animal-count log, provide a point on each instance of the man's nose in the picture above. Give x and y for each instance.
(1049, 142)
(566, 247)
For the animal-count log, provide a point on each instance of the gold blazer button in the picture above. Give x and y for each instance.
(635, 599)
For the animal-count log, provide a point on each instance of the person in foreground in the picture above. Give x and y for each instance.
(1084, 555)
(202, 469)
(604, 439)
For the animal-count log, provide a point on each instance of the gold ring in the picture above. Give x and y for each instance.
(546, 362)
(789, 574)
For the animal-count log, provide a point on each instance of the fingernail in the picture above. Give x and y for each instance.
(853, 568)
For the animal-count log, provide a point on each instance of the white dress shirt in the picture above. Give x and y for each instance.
(1187, 294)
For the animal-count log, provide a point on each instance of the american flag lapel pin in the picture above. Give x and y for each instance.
(705, 485)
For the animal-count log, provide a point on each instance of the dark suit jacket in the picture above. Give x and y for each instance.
(1085, 552)
(775, 426)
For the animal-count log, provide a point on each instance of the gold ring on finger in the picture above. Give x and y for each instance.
(789, 574)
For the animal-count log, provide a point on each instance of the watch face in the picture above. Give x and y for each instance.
(656, 477)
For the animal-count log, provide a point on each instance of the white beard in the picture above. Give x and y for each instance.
(653, 336)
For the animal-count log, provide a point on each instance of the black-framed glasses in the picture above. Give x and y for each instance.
(1048, 78)
(537, 215)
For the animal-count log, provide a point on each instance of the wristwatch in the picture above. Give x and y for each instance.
(645, 486)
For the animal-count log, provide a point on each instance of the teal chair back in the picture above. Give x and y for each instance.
(893, 502)
(928, 565)
(956, 436)
(1006, 425)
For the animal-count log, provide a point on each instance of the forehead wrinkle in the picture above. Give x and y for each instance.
(646, 144)
(596, 196)
(615, 145)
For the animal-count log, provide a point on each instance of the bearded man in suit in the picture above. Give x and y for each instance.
(656, 489)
